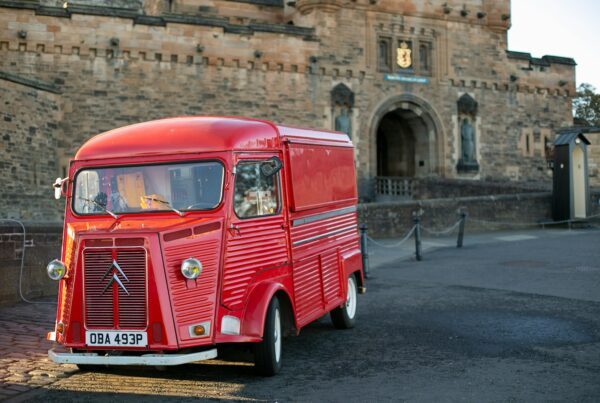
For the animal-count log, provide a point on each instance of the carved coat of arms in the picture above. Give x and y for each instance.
(404, 56)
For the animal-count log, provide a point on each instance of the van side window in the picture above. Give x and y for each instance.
(255, 194)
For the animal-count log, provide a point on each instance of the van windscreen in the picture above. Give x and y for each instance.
(143, 188)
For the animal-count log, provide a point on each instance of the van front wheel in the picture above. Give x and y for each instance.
(344, 317)
(267, 353)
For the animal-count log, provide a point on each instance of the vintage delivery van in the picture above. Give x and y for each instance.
(183, 234)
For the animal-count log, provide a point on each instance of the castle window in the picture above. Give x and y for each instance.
(425, 58)
(384, 54)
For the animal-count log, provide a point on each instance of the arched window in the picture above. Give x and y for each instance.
(424, 58)
(384, 53)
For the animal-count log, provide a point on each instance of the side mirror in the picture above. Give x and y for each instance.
(59, 187)
(271, 167)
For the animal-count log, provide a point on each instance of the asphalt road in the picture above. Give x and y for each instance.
(513, 320)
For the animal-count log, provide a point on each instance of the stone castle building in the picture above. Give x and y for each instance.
(425, 89)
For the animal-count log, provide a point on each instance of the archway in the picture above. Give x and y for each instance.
(404, 145)
(406, 139)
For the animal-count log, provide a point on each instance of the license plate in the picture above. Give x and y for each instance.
(111, 338)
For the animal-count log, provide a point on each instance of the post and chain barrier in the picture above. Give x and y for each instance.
(543, 224)
(365, 239)
(417, 221)
(415, 230)
(461, 228)
(418, 229)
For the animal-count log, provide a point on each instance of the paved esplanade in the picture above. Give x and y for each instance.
(511, 316)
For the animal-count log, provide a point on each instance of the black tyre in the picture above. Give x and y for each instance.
(267, 353)
(344, 316)
(90, 367)
(87, 367)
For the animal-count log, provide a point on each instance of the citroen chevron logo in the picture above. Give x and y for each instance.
(115, 277)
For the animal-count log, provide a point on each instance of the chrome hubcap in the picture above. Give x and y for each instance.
(277, 335)
(351, 300)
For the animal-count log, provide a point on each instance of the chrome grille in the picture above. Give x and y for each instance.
(109, 306)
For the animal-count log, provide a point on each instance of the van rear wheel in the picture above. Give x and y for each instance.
(267, 353)
(344, 317)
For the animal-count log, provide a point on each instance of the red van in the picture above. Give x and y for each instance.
(182, 234)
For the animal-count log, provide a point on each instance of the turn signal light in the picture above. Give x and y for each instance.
(199, 330)
(60, 327)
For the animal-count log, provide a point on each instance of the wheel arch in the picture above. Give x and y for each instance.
(352, 265)
(253, 322)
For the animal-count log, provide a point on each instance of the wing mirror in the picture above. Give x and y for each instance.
(271, 167)
(60, 188)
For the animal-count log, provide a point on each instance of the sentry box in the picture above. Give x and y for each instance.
(183, 234)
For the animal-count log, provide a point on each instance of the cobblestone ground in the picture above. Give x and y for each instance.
(24, 364)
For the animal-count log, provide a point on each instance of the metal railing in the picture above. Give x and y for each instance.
(24, 245)
(388, 188)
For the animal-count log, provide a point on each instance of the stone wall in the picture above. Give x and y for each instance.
(29, 135)
(448, 188)
(43, 243)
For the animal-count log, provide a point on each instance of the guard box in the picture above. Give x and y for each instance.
(184, 234)
(570, 189)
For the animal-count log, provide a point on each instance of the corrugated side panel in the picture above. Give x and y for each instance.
(193, 301)
(257, 245)
(331, 279)
(307, 288)
(316, 262)
(346, 239)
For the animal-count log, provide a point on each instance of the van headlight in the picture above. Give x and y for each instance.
(191, 268)
(56, 269)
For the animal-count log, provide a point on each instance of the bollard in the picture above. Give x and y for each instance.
(364, 249)
(417, 220)
(461, 229)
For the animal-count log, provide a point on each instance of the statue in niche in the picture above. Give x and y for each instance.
(342, 102)
(467, 112)
(343, 123)
(467, 137)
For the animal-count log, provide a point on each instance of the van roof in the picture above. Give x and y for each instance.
(184, 135)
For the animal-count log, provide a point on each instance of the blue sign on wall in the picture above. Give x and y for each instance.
(406, 79)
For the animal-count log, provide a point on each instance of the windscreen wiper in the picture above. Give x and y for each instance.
(166, 203)
(113, 215)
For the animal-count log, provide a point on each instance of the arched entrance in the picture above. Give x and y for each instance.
(408, 144)
(403, 145)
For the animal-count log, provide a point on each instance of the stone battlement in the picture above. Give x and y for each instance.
(128, 34)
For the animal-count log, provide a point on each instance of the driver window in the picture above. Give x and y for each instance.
(255, 194)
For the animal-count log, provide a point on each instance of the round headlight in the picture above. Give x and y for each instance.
(191, 268)
(56, 269)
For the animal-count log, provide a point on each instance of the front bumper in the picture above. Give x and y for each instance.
(146, 359)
